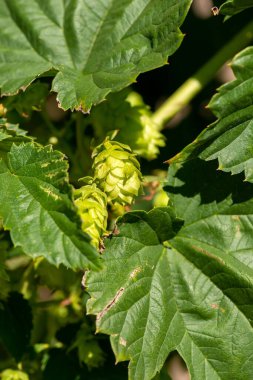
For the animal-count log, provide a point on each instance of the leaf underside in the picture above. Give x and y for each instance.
(95, 47)
(187, 287)
(36, 207)
(230, 138)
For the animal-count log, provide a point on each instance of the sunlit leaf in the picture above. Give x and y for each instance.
(187, 286)
(95, 47)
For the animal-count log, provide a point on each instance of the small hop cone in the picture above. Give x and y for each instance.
(131, 117)
(91, 203)
(11, 374)
(117, 172)
(147, 138)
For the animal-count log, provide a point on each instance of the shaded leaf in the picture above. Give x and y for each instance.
(37, 208)
(31, 100)
(9, 134)
(230, 138)
(231, 7)
(187, 288)
(96, 48)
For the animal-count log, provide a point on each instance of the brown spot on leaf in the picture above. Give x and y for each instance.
(50, 193)
(84, 279)
(82, 109)
(122, 341)
(211, 255)
(101, 246)
(110, 304)
(217, 307)
(135, 272)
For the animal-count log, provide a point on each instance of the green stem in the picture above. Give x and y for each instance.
(185, 93)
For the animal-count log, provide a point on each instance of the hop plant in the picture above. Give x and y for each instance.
(131, 117)
(91, 203)
(117, 172)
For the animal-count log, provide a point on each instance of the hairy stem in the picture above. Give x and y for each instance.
(185, 93)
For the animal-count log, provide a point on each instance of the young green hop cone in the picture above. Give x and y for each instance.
(91, 204)
(148, 139)
(12, 374)
(117, 172)
(127, 113)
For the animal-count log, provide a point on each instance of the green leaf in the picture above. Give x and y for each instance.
(231, 7)
(230, 138)
(12, 131)
(96, 48)
(31, 100)
(37, 208)
(189, 288)
(15, 324)
(10, 134)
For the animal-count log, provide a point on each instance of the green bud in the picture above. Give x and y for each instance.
(117, 210)
(161, 199)
(91, 203)
(117, 172)
(131, 117)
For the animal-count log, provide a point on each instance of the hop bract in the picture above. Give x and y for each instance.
(91, 203)
(131, 117)
(117, 172)
(147, 138)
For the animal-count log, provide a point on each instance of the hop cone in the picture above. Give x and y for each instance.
(127, 113)
(11, 374)
(91, 204)
(148, 139)
(117, 172)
